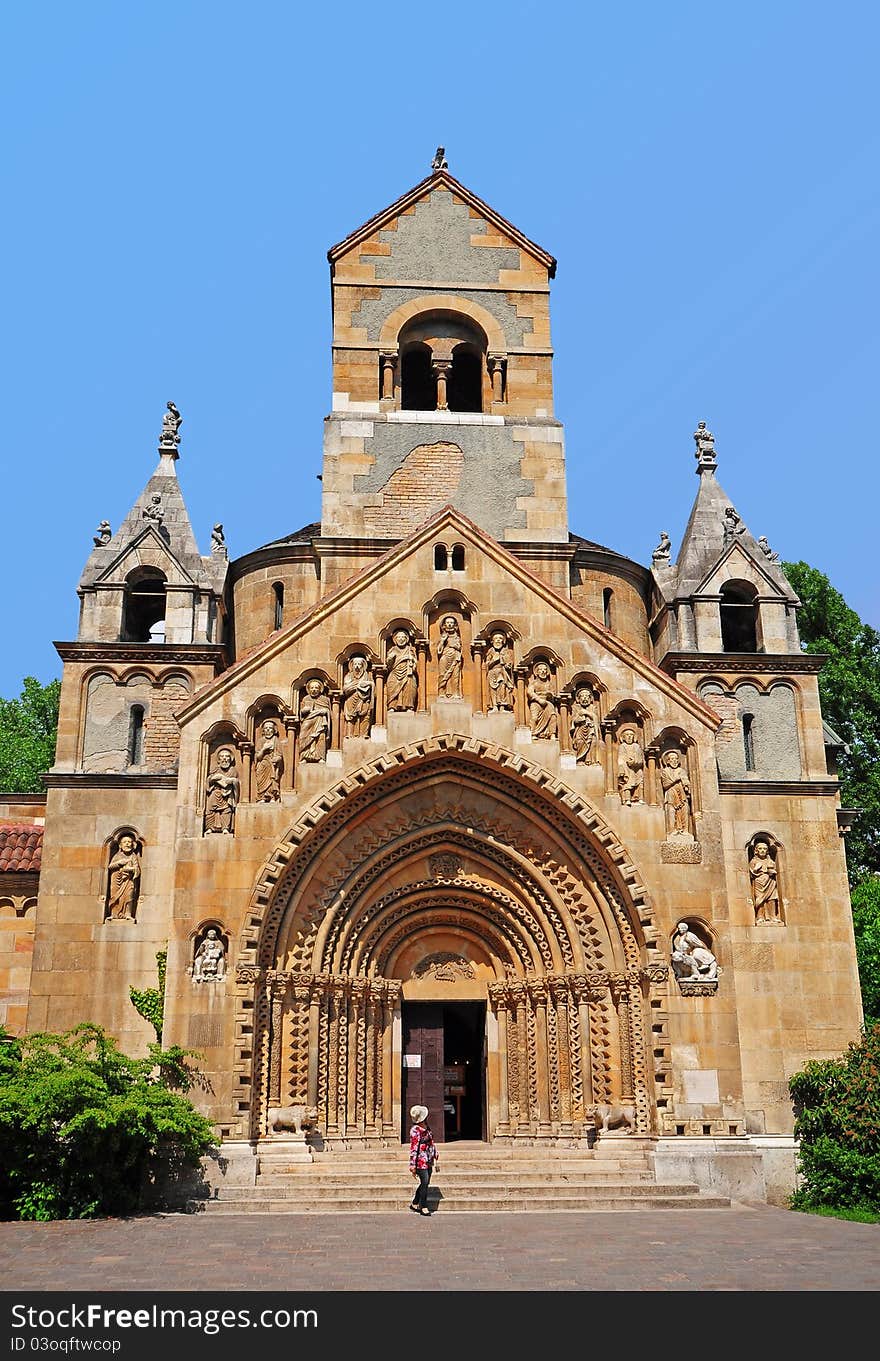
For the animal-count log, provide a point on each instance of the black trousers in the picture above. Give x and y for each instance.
(420, 1199)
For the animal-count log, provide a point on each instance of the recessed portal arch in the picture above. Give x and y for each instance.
(449, 846)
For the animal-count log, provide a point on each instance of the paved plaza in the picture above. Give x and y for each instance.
(758, 1248)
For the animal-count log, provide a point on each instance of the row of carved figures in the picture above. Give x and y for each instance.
(125, 850)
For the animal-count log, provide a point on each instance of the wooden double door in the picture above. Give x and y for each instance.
(444, 1068)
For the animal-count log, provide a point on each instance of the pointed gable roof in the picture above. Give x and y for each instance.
(436, 180)
(174, 532)
(514, 568)
(704, 546)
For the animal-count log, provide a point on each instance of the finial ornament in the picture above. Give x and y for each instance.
(170, 436)
(218, 541)
(103, 534)
(440, 162)
(766, 549)
(705, 450)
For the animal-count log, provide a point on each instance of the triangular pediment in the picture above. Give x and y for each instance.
(740, 563)
(420, 194)
(391, 577)
(147, 549)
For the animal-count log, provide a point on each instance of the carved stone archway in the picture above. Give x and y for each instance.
(454, 845)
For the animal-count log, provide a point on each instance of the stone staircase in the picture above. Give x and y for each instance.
(616, 1174)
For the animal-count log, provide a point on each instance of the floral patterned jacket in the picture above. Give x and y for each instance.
(422, 1149)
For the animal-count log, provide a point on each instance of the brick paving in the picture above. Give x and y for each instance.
(754, 1248)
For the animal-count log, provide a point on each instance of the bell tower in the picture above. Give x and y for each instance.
(442, 373)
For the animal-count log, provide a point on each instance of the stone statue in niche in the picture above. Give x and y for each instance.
(543, 718)
(676, 794)
(402, 684)
(123, 879)
(103, 534)
(450, 660)
(691, 958)
(584, 726)
(499, 671)
(209, 961)
(268, 763)
(765, 887)
(314, 721)
(630, 766)
(222, 794)
(357, 698)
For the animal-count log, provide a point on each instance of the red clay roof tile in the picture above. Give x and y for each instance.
(21, 847)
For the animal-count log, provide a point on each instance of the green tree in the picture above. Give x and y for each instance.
(849, 688)
(28, 728)
(866, 921)
(86, 1130)
(837, 1124)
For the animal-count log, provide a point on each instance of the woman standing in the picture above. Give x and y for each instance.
(422, 1157)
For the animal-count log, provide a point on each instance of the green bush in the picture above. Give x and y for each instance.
(86, 1130)
(837, 1123)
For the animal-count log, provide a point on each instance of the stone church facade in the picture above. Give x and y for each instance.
(435, 800)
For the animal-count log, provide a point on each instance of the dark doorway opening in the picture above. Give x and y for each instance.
(444, 1066)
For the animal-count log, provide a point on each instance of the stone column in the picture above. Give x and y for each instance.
(378, 674)
(301, 995)
(608, 730)
(564, 721)
(357, 1066)
(291, 727)
(652, 758)
(277, 985)
(422, 674)
(517, 1055)
(246, 750)
(478, 648)
(495, 363)
(388, 364)
(559, 993)
(335, 720)
(520, 712)
(538, 995)
(619, 985)
(442, 368)
(498, 1001)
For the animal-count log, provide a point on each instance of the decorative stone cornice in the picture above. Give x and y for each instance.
(78, 779)
(733, 663)
(163, 654)
(795, 788)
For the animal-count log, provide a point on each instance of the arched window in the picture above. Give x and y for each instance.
(458, 557)
(607, 597)
(442, 363)
(143, 613)
(739, 617)
(748, 723)
(278, 592)
(441, 557)
(465, 388)
(418, 384)
(136, 735)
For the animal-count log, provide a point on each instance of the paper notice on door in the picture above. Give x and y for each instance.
(412, 1060)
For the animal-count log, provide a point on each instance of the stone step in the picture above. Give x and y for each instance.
(657, 1198)
(448, 1191)
(304, 1178)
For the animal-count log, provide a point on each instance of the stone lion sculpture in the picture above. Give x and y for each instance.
(295, 1119)
(607, 1118)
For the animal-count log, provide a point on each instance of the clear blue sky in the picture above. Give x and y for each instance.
(705, 174)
